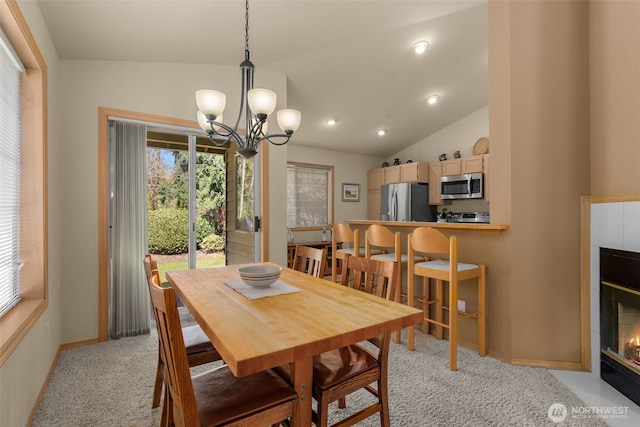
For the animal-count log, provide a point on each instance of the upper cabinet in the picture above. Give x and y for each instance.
(391, 174)
(375, 178)
(471, 164)
(414, 172)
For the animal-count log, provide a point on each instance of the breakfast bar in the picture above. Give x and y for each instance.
(477, 243)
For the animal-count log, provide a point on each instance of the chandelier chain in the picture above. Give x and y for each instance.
(246, 31)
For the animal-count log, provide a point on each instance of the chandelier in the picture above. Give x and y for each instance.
(255, 106)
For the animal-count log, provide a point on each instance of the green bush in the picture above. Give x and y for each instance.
(213, 243)
(169, 233)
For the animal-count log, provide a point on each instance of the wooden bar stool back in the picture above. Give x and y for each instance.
(342, 233)
(310, 260)
(381, 238)
(430, 241)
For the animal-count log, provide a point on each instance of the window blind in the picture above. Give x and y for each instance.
(10, 127)
(308, 196)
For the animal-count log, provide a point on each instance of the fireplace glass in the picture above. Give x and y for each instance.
(620, 321)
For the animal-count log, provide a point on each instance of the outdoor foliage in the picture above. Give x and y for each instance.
(212, 243)
(168, 200)
(169, 231)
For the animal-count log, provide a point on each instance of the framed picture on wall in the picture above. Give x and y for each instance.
(350, 192)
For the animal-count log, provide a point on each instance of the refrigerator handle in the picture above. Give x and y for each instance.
(394, 205)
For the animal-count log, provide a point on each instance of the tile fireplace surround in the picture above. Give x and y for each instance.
(614, 225)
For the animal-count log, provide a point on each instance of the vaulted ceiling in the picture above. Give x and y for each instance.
(348, 60)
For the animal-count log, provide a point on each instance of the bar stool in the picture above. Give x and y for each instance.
(342, 233)
(381, 238)
(430, 241)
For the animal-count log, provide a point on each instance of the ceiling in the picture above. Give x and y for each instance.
(349, 60)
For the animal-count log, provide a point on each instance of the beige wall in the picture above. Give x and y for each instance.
(615, 97)
(348, 168)
(539, 121)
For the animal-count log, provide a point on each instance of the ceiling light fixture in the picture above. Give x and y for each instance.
(433, 99)
(381, 132)
(420, 47)
(331, 122)
(255, 105)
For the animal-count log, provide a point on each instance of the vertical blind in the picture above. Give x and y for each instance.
(10, 126)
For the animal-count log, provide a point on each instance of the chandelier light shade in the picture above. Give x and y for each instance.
(255, 107)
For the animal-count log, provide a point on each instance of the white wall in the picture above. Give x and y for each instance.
(348, 168)
(23, 374)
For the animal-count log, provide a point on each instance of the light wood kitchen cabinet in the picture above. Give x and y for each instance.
(392, 174)
(451, 167)
(435, 172)
(375, 178)
(485, 170)
(472, 164)
(373, 204)
(414, 172)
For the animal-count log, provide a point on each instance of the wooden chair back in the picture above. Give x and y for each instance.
(372, 276)
(430, 241)
(310, 260)
(181, 402)
(151, 270)
(342, 234)
(380, 236)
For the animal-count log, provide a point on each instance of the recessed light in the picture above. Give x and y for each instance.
(331, 122)
(420, 47)
(381, 132)
(433, 99)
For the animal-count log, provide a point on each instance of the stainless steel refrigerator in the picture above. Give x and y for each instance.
(407, 201)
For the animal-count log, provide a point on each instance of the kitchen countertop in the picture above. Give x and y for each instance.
(487, 228)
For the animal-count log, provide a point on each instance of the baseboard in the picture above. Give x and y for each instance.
(43, 389)
(567, 366)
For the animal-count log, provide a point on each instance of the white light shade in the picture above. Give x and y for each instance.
(211, 101)
(289, 119)
(262, 101)
(204, 124)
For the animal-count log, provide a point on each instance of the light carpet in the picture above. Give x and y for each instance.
(111, 384)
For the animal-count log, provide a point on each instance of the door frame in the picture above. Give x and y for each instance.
(103, 199)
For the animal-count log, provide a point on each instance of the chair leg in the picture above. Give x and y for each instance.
(411, 297)
(482, 312)
(453, 326)
(157, 388)
(323, 412)
(426, 298)
(383, 396)
(342, 402)
(398, 298)
(439, 310)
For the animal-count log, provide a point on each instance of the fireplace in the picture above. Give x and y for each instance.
(620, 321)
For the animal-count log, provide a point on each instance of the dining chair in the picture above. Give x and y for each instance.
(380, 237)
(199, 348)
(343, 234)
(341, 372)
(310, 260)
(215, 397)
(430, 241)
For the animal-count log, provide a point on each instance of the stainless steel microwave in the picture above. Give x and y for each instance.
(467, 186)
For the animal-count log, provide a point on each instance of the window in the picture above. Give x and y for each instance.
(309, 195)
(31, 205)
(11, 70)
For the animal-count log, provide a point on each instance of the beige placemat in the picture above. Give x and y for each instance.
(278, 288)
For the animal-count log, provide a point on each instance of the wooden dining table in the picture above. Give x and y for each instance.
(253, 335)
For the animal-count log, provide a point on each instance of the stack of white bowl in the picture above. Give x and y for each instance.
(259, 275)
